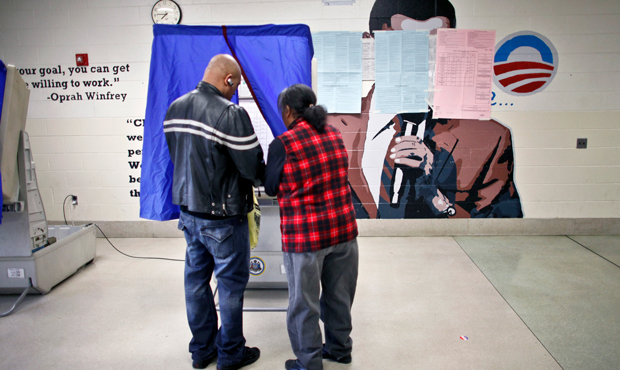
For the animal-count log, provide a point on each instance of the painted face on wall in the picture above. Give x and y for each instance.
(411, 15)
(404, 23)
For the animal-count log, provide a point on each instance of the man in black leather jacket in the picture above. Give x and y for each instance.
(217, 159)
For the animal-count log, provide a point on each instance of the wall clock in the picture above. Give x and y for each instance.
(166, 12)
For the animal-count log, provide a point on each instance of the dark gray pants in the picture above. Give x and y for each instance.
(334, 271)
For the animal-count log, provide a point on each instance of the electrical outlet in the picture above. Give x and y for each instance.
(582, 143)
(74, 200)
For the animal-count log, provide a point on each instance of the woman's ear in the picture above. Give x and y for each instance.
(286, 116)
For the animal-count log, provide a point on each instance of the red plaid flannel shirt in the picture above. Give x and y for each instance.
(316, 209)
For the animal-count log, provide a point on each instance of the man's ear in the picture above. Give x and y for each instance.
(229, 80)
(385, 27)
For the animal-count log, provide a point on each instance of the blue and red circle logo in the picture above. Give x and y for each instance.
(525, 63)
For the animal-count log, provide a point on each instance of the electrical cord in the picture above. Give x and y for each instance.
(106, 238)
(130, 256)
(63, 209)
(19, 300)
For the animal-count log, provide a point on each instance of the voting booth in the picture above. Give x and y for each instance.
(34, 257)
(271, 57)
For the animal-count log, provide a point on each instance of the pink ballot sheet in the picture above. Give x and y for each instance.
(464, 74)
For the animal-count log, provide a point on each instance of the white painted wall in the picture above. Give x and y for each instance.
(82, 147)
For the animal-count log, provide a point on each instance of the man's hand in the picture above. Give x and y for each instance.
(412, 152)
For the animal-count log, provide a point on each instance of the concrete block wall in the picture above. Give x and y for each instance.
(85, 147)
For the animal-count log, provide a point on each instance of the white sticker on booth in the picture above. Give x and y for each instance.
(16, 273)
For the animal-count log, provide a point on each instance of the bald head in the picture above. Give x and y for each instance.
(221, 69)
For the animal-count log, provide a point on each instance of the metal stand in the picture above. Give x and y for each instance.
(253, 309)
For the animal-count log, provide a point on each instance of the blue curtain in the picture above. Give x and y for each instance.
(272, 57)
(2, 85)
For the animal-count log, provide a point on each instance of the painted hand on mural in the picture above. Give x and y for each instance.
(410, 151)
(418, 179)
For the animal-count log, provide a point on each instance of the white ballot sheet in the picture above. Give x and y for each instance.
(401, 71)
(432, 61)
(464, 74)
(368, 59)
(339, 56)
(261, 128)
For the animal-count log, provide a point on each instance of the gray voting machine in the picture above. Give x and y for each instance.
(34, 257)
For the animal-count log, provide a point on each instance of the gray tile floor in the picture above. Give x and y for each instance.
(522, 302)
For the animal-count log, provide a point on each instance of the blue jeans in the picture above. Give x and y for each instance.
(223, 247)
(321, 285)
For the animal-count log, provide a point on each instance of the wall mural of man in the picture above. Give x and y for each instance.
(431, 168)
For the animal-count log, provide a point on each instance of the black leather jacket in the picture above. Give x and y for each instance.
(216, 154)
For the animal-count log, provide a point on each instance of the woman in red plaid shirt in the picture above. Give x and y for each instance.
(307, 169)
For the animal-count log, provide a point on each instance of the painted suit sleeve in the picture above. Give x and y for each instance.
(495, 194)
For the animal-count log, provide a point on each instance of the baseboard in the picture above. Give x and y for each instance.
(407, 227)
(491, 226)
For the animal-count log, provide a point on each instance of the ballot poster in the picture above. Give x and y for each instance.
(339, 70)
(401, 71)
(464, 74)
